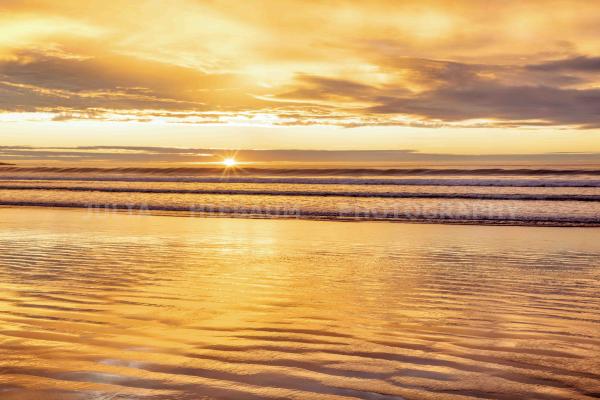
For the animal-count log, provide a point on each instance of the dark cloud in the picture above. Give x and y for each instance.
(491, 100)
(34, 80)
(322, 88)
(454, 92)
(575, 64)
(431, 73)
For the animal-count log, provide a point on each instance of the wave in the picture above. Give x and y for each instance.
(396, 195)
(252, 212)
(207, 171)
(324, 181)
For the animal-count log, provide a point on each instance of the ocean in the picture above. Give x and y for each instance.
(556, 196)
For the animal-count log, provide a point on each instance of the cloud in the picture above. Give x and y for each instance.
(32, 80)
(494, 101)
(449, 92)
(428, 63)
(429, 92)
(573, 64)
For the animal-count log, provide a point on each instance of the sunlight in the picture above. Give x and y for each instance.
(229, 162)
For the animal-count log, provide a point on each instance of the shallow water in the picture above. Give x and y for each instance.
(116, 306)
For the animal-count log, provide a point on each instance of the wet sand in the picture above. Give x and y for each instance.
(117, 306)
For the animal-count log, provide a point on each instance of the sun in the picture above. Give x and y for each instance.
(229, 162)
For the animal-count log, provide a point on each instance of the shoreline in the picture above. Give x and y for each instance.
(96, 211)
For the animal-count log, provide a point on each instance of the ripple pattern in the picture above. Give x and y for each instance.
(156, 307)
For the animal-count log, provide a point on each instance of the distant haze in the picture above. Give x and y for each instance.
(137, 154)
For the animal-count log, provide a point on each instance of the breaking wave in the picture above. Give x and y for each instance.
(367, 215)
(325, 181)
(254, 192)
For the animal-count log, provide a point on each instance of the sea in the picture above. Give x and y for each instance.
(517, 195)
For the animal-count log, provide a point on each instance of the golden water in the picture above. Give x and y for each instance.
(115, 306)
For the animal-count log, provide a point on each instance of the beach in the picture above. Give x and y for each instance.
(228, 200)
(118, 305)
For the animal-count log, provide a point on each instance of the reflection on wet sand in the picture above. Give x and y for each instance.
(111, 306)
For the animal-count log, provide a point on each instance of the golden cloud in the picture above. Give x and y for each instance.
(280, 62)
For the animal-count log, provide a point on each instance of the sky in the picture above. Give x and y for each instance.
(432, 77)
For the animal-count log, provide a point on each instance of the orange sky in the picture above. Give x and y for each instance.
(435, 76)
